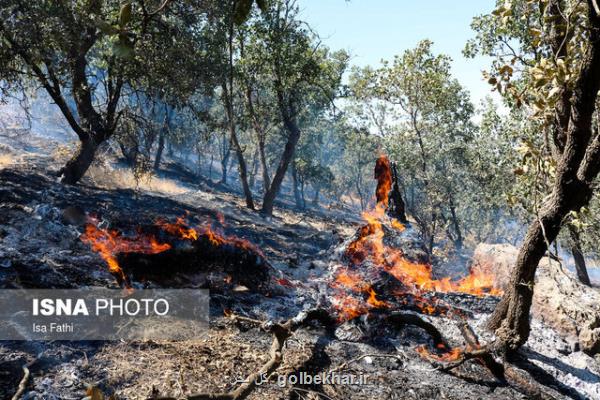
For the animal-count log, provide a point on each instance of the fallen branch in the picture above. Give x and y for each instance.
(281, 332)
(504, 372)
(23, 382)
(401, 319)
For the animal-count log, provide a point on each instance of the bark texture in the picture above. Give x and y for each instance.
(578, 164)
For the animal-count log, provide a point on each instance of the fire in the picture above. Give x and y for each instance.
(109, 243)
(418, 277)
(178, 229)
(447, 355)
(383, 175)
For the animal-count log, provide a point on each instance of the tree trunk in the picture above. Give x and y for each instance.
(458, 243)
(297, 199)
(580, 267)
(77, 166)
(577, 167)
(159, 151)
(361, 198)
(265, 166)
(254, 170)
(224, 164)
(129, 153)
(227, 87)
(315, 200)
(302, 197)
(511, 316)
(287, 155)
(243, 169)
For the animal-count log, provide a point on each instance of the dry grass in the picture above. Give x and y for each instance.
(104, 175)
(6, 160)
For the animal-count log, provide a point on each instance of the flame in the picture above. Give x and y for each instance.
(178, 229)
(448, 355)
(398, 225)
(383, 175)
(109, 243)
(417, 277)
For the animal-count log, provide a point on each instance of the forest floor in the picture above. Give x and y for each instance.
(39, 249)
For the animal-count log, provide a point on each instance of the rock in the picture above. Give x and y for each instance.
(589, 337)
(498, 259)
(559, 300)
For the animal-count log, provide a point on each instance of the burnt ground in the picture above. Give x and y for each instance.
(40, 248)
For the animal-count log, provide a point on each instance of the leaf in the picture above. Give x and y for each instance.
(122, 48)
(506, 69)
(125, 15)
(242, 11)
(492, 81)
(555, 90)
(106, 28)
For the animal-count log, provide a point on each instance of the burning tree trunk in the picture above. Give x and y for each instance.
(578, 165)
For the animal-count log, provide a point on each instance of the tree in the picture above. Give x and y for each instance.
(304, 76)
(86, 54)
(557, 80)
(423, 114)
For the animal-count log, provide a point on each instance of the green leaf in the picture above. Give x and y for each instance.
(106, 28)
(123, 48)
(125, 15)
(242, 11)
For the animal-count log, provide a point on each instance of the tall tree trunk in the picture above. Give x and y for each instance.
(458, 242)
(224, 163)
(159, 151)
(578, 165)
(315, 200)
(77, 166)
(254, 170)
(580, 267)
(287, 155)
(161, 138)
(228, 99)
(265, 166)
(511, 316)
(434, 219)
(361, 197)
(243, 169)
(295, 190)
(302, 197)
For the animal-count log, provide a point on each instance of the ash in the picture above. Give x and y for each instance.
(41, 248)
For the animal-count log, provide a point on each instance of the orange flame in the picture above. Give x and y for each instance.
(109, 243)
(417, 277)
(448, 356)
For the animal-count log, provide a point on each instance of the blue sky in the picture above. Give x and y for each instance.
(374, 29)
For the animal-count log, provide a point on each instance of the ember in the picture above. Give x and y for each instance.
(368, 255)
(114, 246)
(109, 243)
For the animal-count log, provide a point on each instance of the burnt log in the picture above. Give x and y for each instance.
(203, 262)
